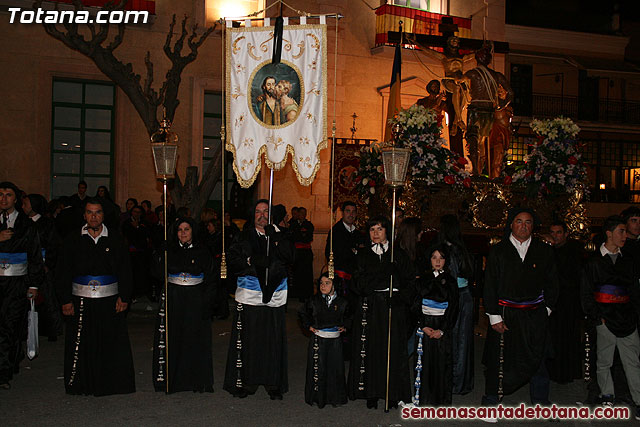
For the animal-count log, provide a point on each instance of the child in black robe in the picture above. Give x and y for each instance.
(437, 309)
(324, 314)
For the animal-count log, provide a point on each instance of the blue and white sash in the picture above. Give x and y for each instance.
(328, 332)
(13, 264)
(94, 286)
(433, 308)
(249, 292)
(186, 279)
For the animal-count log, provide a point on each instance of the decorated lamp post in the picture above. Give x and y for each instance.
(164, 146)
(395, 161)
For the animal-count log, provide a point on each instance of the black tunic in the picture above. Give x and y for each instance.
(49, 314)
(372, 276)
(346, 244)
(436, 380)
(302, 236)
(329, 386)
(527, 340)
(566, 322)
(190, 357)
(137, 238)
(104, 361)
(263, 350)
(13, 292)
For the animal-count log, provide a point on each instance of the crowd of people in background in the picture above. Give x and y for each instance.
(84, 256)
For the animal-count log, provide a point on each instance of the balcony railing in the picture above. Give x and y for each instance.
(414, 21)
(599, 110)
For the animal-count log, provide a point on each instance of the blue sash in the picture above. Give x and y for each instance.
(13, 264)
(434, 308)
(249, 292)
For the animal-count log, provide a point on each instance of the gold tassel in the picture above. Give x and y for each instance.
(331, 267)
(223, 266)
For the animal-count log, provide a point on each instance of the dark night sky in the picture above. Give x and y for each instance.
(578, 15)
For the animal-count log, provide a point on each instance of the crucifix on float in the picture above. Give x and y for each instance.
(456, 50)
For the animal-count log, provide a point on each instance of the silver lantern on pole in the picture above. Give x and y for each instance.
(396, 162)
(164, 146)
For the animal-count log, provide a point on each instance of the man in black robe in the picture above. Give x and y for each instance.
(301, 231)
(520, 291)
(258, 347)
(21, 272)
(347, 240)
(94, 285)
(566, 321)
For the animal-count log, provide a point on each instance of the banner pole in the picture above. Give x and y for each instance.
(270, 206)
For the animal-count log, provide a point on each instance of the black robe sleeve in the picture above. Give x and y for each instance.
(123, 270)
(63, 272)
(305, 314)
(451, 314)
(491, 278)
(35, 265)
(587, 287)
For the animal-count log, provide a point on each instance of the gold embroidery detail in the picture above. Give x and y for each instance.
(235, 47)
(263, 45)
(245, 164)
(301, 46)
(250, 52)
(287, 45)
(247, 142)
(306, 161)
(276, 142)
(240, 120)
(314, 90)
(311, 118)
(240, 68)
(304, 140)
(237, 93)
(313, 65)
(316, 42)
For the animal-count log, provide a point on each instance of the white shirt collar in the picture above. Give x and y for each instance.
(604, 251)
(349, 228)
(436, 273)
(379, 249)
(11, 218)
(103, 233)
(521, 247)
(260, 233)
(36, 217)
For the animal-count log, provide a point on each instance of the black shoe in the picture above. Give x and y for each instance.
(276, 395)
(240, 393)
(372, 403)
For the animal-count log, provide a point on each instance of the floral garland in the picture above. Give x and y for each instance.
(370, 171)
(555, 165)
(429, 160)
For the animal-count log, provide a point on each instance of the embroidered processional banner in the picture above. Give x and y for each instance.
(276, 109)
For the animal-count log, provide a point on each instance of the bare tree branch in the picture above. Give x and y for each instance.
(143, 96)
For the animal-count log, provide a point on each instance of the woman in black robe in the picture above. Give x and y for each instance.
(191, 280)
(436, 306)
(325, 315)
(368, 367)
